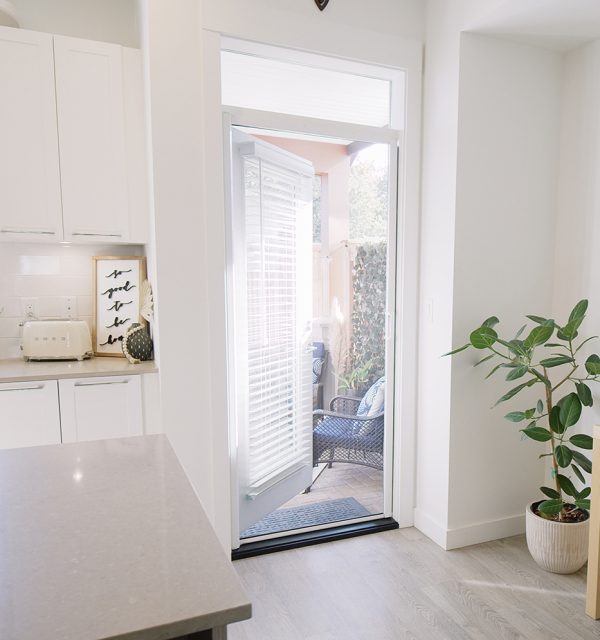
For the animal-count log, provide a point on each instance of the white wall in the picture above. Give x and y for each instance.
(457, 143)
(577, 267)
(509, 118)
(173, 54)
(104, 20)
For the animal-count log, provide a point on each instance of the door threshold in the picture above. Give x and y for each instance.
(308, 538)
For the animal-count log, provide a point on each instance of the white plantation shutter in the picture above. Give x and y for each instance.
(273, 276)
(278, 215)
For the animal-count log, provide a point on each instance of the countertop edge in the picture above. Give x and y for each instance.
(16, 370)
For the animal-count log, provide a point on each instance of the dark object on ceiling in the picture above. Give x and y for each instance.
(321, 4)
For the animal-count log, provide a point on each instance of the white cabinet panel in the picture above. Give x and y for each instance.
(99, 408)
(91, 127)
(30, 199)
(29, 414)
(135, 138)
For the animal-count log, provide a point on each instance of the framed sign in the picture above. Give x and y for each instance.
(117, 286)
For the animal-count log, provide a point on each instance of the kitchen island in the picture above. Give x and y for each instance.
(107, 540)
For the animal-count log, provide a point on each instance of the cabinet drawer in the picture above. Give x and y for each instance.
(99, 408)
(29, 414)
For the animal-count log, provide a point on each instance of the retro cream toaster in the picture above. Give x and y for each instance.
(56, 340)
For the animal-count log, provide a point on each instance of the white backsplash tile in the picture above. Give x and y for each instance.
(48, 273)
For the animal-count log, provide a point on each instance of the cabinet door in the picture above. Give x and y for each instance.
(100, 408)
(30, 200)
(29, 414)
(93, 165)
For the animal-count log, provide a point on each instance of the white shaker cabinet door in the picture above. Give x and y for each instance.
(30, 198)
(100, 408)
(91, 127)
(29, 414)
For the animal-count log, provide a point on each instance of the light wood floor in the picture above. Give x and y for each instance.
(399, 585)
(345, 481)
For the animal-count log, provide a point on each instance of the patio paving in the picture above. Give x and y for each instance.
(345, 481)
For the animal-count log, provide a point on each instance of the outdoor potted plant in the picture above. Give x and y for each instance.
(355, 382)
(547, 360)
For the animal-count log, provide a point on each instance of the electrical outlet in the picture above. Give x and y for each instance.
(29, 308)
(69, 307)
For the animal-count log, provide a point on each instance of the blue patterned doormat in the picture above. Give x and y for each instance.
(309, 515)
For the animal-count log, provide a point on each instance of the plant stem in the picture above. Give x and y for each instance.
(552, 440)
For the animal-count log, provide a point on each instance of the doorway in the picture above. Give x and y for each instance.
(312, 340)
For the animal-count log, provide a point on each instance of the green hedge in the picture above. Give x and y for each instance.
(368, 310)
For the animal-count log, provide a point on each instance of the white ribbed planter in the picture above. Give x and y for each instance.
(560, 547)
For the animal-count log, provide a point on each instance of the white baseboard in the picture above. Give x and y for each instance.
(430, 527)
(470, 534)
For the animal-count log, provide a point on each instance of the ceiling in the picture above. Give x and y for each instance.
(560, 25)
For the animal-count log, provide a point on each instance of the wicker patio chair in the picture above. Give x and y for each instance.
(343, 435)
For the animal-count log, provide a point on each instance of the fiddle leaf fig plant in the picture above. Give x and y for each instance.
(547, 358)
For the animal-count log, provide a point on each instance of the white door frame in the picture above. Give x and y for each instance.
(217, 182)
(282, 123)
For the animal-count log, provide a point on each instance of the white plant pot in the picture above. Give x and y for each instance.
(560, 547)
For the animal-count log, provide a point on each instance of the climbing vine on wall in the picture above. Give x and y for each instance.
(368, 309)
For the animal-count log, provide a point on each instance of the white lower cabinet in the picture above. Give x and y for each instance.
(29, 414)
(99, 408)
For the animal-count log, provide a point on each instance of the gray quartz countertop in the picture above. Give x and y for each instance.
(17, 370)
(107, 539)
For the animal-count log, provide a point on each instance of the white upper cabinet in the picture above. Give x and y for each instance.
(30, 199)
(91, 128)
(72, 140)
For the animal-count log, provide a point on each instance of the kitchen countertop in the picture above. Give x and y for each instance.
(17, 370)
(108, 540)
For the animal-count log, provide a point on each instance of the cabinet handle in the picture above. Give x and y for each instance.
(35, 388)
(103, 235)
(97, 384)
(45, 232)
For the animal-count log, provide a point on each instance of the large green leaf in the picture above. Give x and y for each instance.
(584, 393)
(515, 416)
(556, 361)
(579, 310)
(577, 472)
(583, 504)
(491, 322)
(484, 359)
(569, 331)
(537, 319)
(570, 410)
(592, 365)
(584, 493)
(451, 353)
(539, 335)
(517, 372)
(563, 455)
(513, 392)
(554, 421)
(483, 337)
(551, 507)
(537, 433)
(582, 440)
(551, 493)
(583, 461)
(566, 485)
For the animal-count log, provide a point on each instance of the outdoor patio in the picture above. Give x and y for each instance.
(345, 481)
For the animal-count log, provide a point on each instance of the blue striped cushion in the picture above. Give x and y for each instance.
(365, 404)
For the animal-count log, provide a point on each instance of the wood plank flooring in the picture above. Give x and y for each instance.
(399, 585)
